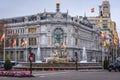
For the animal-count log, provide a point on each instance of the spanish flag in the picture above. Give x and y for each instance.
(14, 43)
(24, 42)
(2, 38)
(102, 36)
(115, 40)
(92, 10)
(64, 45)
(104, 43)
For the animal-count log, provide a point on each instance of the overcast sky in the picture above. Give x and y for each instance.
(14, 8)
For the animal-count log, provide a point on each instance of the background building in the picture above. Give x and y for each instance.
(108, 27)
(43, 31)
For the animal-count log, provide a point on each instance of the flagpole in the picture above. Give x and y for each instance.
(4, 48)
(26, 52)
(116, 52)
(113, 54)
(15, 55)
(3, 36)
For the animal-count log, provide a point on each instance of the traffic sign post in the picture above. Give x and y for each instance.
(31, 57)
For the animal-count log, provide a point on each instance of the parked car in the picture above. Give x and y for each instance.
(114, 66)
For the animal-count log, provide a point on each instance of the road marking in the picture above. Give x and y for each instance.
(43, 74)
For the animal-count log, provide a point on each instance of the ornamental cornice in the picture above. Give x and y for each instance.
(49, 22)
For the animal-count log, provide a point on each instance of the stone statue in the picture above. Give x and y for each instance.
(59, 54)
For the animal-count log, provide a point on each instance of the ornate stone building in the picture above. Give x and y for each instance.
(43, 30)
(108, 27)
(104, 22)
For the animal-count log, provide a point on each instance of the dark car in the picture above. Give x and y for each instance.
(114, 66)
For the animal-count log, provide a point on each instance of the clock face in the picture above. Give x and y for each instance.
(105, 7)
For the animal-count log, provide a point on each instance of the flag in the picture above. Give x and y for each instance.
(64, 45)
(14, 43)
(102, 36)
(92, 10)
(104, 43)
(24, 42)
(2, 38)
(115, 40)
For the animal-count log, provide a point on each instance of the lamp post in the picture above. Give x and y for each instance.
(116, 53)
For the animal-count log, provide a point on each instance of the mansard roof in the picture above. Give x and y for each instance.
(49, 15)
(86, 22)
(42, 16)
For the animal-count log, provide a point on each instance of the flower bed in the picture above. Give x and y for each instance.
(15, 73)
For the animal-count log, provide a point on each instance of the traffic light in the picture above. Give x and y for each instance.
(31, 57)
(76, 60)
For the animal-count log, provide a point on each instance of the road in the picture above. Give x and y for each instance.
(70, 75)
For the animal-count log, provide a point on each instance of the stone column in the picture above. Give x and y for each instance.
(26, 55)
(15, 55)
(26, 50)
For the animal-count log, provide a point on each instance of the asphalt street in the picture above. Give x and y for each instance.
(69, 75)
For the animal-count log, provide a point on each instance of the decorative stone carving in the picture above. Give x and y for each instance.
(58, 16)
(59, 55)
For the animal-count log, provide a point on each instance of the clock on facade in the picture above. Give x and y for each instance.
(105, 7)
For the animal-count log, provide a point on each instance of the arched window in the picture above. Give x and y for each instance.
(58, 35)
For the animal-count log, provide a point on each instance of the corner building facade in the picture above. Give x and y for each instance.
(108, 27)
(43, 30)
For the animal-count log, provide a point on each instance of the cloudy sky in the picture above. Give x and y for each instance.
(14, 8)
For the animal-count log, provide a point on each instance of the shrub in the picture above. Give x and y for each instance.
(106, 63)
(7, 65)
